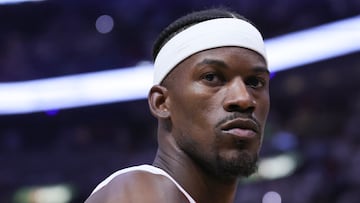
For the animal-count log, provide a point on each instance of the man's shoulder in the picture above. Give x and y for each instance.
(139, 179)
(133, 179)
(137, 186)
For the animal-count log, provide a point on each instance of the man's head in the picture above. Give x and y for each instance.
(210, 91)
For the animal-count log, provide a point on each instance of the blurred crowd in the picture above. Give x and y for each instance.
(315, 109)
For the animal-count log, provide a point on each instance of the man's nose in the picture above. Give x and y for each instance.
(238, 98)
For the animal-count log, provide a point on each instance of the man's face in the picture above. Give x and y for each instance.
(219, 102)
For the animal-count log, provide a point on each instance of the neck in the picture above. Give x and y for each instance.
(202, 186)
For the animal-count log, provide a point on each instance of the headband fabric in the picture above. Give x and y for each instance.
(220, 32)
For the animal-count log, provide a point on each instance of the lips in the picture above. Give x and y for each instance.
(242, 128)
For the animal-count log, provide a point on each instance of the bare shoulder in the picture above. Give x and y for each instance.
(138, 186)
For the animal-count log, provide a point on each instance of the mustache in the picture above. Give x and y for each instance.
(237, 115)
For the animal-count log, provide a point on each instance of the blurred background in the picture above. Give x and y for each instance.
(311, 150)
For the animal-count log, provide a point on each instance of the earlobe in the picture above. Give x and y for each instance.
(157, 100)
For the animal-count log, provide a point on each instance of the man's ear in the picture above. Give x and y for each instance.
(158, 102)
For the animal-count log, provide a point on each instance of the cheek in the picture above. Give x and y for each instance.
(192, 105)
(184, 115)
(195, 116)
(263, 109)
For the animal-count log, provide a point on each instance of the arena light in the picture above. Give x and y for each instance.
(61, 193)
(277, 167)
(17, 1)
(284, 52)
(312, 45)
(75, 91)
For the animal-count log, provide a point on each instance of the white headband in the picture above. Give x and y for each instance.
(209, 34)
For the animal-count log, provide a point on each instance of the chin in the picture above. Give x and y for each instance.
(243, 164)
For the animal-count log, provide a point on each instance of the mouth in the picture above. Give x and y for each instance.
(241, 128)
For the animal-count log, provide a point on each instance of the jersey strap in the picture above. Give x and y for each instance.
(146, 168)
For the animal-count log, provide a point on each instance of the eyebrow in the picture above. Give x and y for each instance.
(222, 64)
(213, 62)
(261, 69)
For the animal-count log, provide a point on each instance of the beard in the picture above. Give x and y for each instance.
(243, 165)
(230, 166)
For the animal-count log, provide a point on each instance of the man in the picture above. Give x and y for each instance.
(211, 99)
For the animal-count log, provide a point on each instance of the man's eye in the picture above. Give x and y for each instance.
(255, 82)
(210, 77)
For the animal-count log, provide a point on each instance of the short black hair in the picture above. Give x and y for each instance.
(190, 19)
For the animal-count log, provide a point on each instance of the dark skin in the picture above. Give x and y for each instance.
(211, 112)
